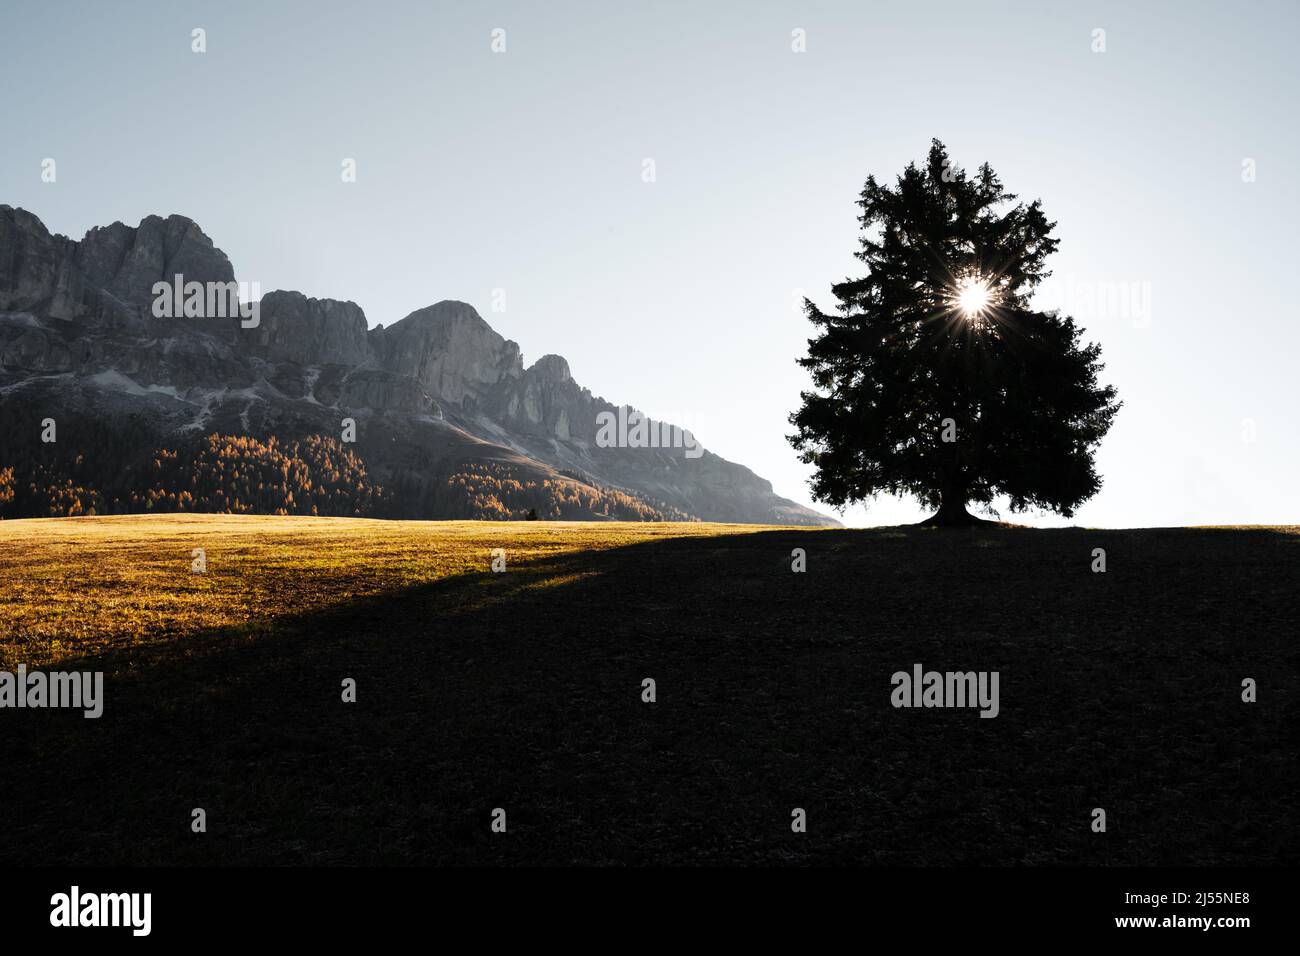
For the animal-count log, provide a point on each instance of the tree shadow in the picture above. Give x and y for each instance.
(523, 691)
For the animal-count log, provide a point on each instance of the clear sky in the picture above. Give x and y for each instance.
(523, 171)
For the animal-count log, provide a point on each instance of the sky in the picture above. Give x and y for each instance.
(518, 180)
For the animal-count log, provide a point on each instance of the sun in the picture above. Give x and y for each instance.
(973, 296)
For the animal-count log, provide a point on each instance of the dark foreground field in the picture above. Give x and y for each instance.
(522, 690)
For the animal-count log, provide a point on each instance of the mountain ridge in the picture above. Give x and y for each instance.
(434, 393)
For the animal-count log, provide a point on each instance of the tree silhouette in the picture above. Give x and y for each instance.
(935, 378)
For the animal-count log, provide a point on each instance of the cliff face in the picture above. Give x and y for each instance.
(437, 391)
(105, 279)
(294, 328)
(454, 355)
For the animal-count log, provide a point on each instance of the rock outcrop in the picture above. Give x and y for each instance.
(294, 328)
(105, 280)
(451, 351)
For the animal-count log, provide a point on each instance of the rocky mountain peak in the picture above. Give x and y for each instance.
(450, 350)
(296, 328)
(128, 261)
(551, 367)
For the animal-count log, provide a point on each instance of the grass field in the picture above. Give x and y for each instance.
(522, 690)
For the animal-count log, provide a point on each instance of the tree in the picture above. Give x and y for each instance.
(935, 377)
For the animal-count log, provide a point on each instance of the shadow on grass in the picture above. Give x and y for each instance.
(523, 691)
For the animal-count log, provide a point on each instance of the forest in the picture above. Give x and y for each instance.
(315, 475)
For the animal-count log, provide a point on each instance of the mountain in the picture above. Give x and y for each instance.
(118, 395)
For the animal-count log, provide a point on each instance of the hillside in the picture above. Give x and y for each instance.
(522, 690)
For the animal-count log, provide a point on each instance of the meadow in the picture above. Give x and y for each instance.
(523, 690)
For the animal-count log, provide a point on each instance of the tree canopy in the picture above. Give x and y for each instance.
(935, 377)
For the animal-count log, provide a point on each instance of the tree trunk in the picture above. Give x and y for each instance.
(952, 513)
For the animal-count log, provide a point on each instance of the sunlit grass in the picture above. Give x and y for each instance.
(79, 586)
